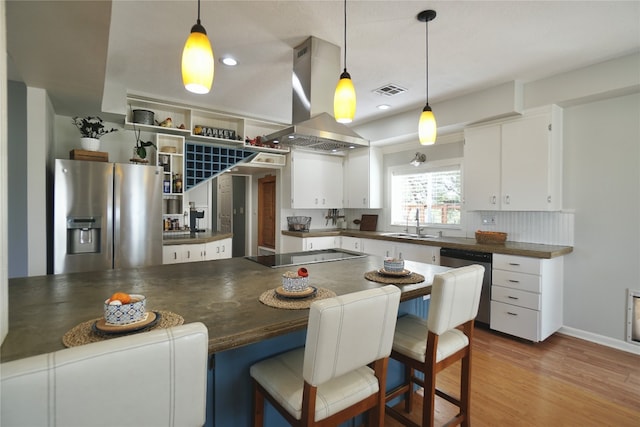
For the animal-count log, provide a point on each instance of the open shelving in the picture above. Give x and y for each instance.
(202, 125)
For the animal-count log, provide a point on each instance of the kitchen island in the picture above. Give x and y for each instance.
(221, 294)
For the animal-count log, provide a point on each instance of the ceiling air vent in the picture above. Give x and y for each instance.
(389, 90)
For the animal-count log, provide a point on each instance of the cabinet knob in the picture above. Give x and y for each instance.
(507, 199)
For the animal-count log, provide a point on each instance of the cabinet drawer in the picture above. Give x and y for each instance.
(523, 282)
(516, 297)
(518, 264)
(518, 321)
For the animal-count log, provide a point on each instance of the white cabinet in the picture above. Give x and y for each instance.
(218, 249)
(481, 172)
(314, 180)
(301, 244)
(363, 179)
(175, 254)
(515, 165)
(353, 244)
(526, 296)
(407, 251)
(419, 253)
(383, 248)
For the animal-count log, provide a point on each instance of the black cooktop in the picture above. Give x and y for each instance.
(301, 258)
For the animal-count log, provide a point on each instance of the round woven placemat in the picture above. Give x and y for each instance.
(84, 334)
(374, 276)
(272, 300)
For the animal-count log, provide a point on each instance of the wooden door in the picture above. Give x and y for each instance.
(267, 211)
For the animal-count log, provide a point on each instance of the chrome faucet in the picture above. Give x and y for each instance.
(418, 221)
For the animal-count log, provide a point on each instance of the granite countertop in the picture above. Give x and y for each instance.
(533, 250)
(185, 238)
(222, 294)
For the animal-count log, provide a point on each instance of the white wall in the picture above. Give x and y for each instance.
(602, 184)
(39, 137)
(4, 268)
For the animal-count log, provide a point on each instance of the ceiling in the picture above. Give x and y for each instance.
(89, 54)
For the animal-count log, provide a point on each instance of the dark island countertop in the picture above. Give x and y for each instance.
(533, 250)
(222, 294)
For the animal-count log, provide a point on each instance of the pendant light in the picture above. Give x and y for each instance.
(427, 126)
(197, 60)
(344, 100)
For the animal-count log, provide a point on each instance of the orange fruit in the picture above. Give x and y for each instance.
(121, 296)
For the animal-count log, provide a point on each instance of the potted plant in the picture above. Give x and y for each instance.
(140, 149)
(91, 128)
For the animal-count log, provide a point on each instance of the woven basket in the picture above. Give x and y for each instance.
(493, 237)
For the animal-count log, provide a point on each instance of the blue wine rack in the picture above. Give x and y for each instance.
(203, 161)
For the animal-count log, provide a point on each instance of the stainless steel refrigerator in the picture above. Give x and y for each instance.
(106, 215)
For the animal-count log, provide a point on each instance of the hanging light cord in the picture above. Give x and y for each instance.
(427, 60)
(345, 35)
(198, 12)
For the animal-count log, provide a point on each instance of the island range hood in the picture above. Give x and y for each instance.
(316, 67)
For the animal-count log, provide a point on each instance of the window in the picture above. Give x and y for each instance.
(435, 191)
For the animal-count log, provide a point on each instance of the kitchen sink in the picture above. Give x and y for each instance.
(411, 235)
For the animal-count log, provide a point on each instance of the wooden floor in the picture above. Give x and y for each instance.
(562, 381)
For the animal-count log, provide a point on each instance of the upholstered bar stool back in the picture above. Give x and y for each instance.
(328, 381)
(444, 338)
(156, 378)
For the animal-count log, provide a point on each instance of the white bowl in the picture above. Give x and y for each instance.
(393, 264)
(126, 313)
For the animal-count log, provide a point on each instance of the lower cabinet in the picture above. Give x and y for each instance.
(419, 253)
(406, 251)
(297, 244)
(353, 244)
(218, 249)
(174, 254)
(526, 296)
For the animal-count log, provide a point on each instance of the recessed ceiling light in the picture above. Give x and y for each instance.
(227, 60)
(384, 106)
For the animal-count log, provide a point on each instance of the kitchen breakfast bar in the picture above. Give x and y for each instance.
(222, 294)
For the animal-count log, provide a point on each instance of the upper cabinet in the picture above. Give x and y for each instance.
(363, 179)
(515, 165)
(201, 125)
(314, 180)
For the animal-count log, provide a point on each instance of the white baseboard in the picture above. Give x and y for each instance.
(600, 339)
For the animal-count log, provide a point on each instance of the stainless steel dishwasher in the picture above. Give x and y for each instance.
(459, 258)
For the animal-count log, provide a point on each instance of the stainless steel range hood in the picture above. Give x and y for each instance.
(316, 67)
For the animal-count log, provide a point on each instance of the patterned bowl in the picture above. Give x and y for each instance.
(291, 282)
(393, 264)
(126, 313)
